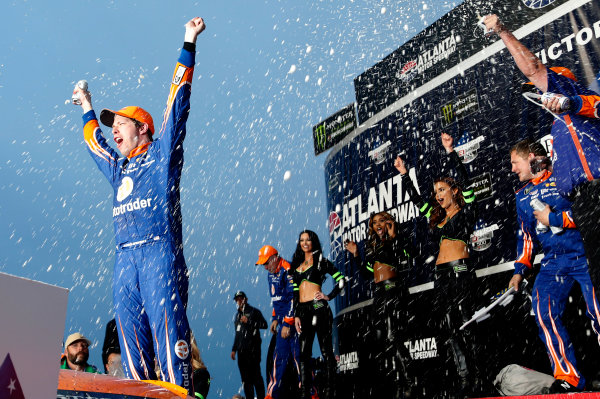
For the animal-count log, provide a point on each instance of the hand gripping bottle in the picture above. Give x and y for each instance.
(563, 102)
(83, 85)
(540, 228)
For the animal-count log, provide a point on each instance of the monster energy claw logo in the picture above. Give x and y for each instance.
(320, 136)
(448, 113)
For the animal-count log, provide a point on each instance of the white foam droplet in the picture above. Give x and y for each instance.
(287, 175)
(292, 69)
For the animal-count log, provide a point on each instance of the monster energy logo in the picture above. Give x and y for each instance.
(332, 130)
(320, 137)
(462, 106)
(448, 114)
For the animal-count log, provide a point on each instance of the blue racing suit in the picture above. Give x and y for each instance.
(576, 158)
(576, 136)
(282, 298)
(150, 288)
(563, 264)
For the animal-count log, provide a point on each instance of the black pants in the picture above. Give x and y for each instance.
(249, 365)
(316, 318)
(392, 359)
(586, 214)
(454, 304)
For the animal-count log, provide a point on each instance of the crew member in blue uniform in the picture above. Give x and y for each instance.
(150, 277)
(564, 261)
(281, 290)
(576, 139)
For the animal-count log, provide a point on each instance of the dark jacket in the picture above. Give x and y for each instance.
(247, 335)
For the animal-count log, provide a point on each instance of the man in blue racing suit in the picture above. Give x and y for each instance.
(150, 276)
(576, 138)
(564, 261)
(282, 324)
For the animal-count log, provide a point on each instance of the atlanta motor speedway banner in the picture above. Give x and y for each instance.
(452, 78)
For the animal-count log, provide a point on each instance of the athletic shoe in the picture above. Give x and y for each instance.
(562, 386)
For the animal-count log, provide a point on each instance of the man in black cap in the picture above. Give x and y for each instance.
(248, 321)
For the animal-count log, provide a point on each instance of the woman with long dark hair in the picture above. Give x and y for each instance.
(452, 216)
(387, 260)
(312, 313)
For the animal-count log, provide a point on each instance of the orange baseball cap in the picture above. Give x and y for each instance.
(265, 253)
(107, 116)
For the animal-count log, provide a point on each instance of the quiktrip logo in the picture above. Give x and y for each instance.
(481, 239)
(182, 349)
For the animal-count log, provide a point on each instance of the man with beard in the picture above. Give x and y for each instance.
(76, 354)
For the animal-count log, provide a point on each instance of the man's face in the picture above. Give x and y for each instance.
(113, 364)
(271, 264)
(521, 166)
(240, 301)
(126, 135)
(78, 353)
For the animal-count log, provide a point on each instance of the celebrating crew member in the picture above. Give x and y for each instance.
(312, 313)
(452, 216)
(576, 138)
(564, 261)
(150, 277)
(387, 262)
(281, 290)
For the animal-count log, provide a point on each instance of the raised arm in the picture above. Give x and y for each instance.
(461, 171)
(530, 65)
(424, 206)
(173, 128)
(103, 154)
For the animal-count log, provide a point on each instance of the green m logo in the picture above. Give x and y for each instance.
(448, 113)
(320, 136)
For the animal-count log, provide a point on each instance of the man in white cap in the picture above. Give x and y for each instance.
(76, 354)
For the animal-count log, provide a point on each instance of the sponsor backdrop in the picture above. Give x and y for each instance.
(333, 129)
(450, 78)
